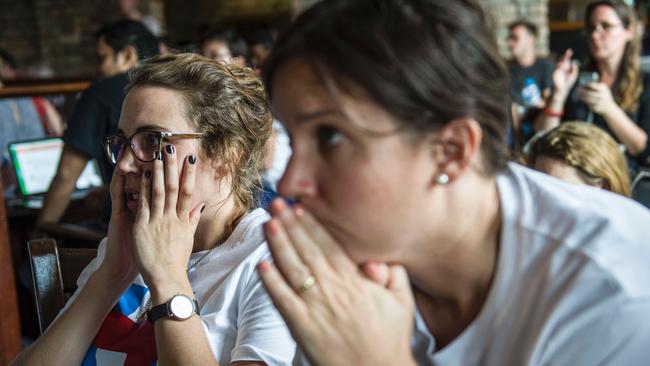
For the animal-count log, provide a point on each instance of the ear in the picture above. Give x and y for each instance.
(456, 146)
(127, 58)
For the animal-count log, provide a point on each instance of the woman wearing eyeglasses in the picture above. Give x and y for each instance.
(414, 241)
(611, 90)
(175, 280)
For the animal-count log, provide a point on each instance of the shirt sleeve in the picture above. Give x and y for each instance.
(86, 127)
(262, 333)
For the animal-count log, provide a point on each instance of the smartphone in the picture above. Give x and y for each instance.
(586, 77)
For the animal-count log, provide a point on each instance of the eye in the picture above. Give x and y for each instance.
(328, 137)
(150, 140)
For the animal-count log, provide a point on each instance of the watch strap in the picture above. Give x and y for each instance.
(164, 310)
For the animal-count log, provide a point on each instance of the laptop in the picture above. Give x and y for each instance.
(35, 162)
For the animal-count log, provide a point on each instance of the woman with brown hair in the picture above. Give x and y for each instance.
(174, 282)
(414, 240)
(612, 91)
(581, 153)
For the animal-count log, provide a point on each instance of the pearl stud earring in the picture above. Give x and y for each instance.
(442, 179)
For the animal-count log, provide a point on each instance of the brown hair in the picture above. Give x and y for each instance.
(226, 103)
(628, 86)
(590, 150)
(427, 62)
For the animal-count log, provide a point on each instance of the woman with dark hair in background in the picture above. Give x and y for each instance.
(612, 91)
(399, 168)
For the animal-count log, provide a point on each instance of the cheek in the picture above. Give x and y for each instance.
(367, 207)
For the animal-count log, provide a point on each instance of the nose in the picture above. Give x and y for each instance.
(128, 164)
(298, 181)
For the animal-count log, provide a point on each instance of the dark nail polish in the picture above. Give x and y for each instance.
(147, 174)
(170, 149)
(202, 208)
(192, 159)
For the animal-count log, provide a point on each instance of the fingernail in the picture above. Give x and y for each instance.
(170, 149)
(299, 211)
(147, 174)
(278, 205)
(264, 266)
(202, 208)
(192, 159)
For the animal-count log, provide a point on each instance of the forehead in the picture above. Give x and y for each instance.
(216, 44)
(519, 30)
(154, 106)
(604, 12)
(300, 93)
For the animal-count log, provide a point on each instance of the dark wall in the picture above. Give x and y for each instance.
(54, 33)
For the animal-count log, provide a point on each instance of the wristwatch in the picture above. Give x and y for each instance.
(179, 307)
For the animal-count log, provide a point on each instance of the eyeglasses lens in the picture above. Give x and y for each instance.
(145, 145)
(115, 148)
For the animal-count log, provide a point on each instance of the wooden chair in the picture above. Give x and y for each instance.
(10, 323)
(55, 271)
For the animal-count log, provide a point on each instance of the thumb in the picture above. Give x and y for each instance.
(400, 285)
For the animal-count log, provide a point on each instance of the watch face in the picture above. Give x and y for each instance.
(181, 307)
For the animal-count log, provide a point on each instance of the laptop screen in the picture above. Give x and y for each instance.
(35, 163)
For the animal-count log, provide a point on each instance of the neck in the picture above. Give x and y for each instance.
(216, 224)
(527, 59)
(453, 274)
(608, 69)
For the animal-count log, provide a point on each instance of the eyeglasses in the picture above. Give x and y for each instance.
(145, 145)
(604, 26)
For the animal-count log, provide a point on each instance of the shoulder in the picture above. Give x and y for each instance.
(109, 90)
(590, 228)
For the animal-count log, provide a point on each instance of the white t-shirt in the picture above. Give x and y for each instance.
(238, 316)
(281, 155)
(572, 285)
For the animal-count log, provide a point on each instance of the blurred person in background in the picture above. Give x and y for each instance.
(134, 10)
(22, 118)
(121, 45)
(611, 91)
(260, 43)
(530, 78)
(582, 153)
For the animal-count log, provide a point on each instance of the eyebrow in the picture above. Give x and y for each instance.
(147, 127)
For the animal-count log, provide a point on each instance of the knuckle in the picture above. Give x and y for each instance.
(157, 192)
(187, 191)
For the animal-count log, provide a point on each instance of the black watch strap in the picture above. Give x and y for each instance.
(163, 310)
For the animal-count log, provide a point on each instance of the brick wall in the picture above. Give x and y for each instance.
(60, 33)
(505, 12)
